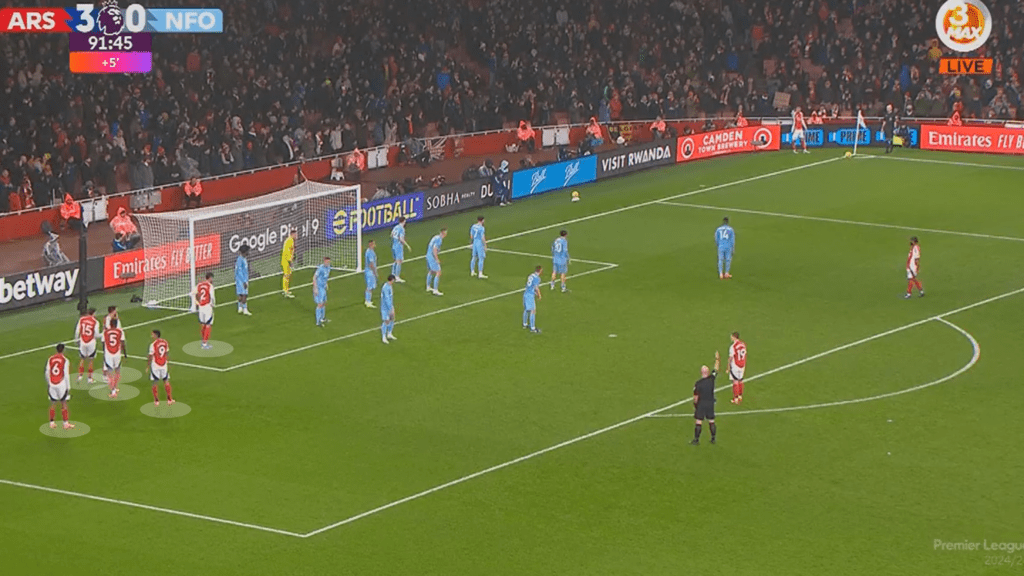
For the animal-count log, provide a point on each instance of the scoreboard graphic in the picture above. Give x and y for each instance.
(107, 39)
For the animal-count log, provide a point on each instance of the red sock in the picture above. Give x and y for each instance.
(740, 384)
(81, 370)
(64, 413)
(735, 389)
(918, 284)
(167, 389)
(90, 371)
(53, 412)
(910, 286)
(156, 398)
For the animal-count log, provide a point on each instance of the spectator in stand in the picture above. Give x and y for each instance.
(27, 195)
(954, 120)
(193, 190)
(595, 137)
(7, 192)
(526, 136)
(123, 225)
(741, 122)
(355, 165)
(658, 128)
(70, 213)
(14, 201)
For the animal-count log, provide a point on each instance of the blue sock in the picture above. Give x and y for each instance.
(472, 265)
(526, 317)
(728, 262)
(318, 311)
(398, 269)
(533, 320)
(391, 326)
(437, 279)
(563, 284)
(480, 266)
(429, 274)
(384, 329)
(368, 296)
(721, 259)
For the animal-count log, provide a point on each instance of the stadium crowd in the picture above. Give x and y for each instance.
(291, 79)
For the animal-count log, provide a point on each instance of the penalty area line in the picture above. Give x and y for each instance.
(150, 508)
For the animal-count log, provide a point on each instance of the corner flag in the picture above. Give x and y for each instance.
(860, 124)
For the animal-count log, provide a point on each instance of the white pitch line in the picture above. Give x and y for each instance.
(151, 508)
(650, 414)
(841, 221)
(506, 237)
(184, 364)
(949, 163)
(404, 321)
(970, 364)
(528, 254)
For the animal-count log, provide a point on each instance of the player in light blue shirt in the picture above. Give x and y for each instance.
(398, 246)
(370, 273)
(477, 235)
(560, 258)
(725, 239)
(242, 280)
(530, 297)
(434, 261)
(387, 310)
(320, 277)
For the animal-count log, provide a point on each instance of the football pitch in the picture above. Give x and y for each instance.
(874, 429)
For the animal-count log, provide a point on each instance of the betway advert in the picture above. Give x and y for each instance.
(729, 141)
(991, 139)
(134, 266)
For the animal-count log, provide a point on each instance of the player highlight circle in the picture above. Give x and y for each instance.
(217, 349)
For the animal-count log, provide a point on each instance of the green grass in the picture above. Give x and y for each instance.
(307, 439)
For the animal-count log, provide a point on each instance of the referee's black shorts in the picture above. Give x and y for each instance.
(704, 412)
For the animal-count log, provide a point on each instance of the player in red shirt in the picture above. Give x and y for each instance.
(86, 333)
(204, 299)
(158, 367)
(799, 129)
(113, 348)
(737, 366)
(913, 267)
(58, 383)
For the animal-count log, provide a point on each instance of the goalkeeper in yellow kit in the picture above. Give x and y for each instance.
(287, 262)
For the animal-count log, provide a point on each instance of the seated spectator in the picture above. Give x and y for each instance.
(741, 122)
(815, 118)
(123, 225)
(70, 213)
(526, 136)
(355, 165)
(119, 244)
(955, 120)
(52, 254)
(595, 137)
(193, 193)
(28, 200)
(658, 128)
(564, 153)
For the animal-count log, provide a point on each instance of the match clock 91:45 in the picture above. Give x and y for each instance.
(111, 54)
(99, 42)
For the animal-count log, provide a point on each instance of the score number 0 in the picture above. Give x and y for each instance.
(134, 18)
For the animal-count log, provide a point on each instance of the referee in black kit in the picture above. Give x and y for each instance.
(704, 401)
(889, 124)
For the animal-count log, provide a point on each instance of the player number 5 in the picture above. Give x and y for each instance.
(87, 22)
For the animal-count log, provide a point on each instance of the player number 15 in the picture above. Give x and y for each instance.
(134, 18)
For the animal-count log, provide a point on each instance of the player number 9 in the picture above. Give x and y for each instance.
(135, 18)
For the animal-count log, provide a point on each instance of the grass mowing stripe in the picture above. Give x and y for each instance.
(842, 221)
(646, 415)
(970, 364)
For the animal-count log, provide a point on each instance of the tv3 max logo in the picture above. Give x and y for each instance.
(110, 20)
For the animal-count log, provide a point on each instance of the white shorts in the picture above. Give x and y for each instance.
(112, 361)
(911, 273)
(60, 393)
(87, 349)
(798, 135)
(206, 314)
(735, 372)
(157, 373)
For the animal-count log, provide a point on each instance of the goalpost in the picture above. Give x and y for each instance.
(181, 247)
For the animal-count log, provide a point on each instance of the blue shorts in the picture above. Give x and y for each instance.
(371, 280)
(240, 289)
(320, 297)
(560, 267)
(385, 313)
(479, 252)
(398, 252)
(529, 303)
(433, 265)
(725, 252)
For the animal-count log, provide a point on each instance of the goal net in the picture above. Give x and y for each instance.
(181, 247)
